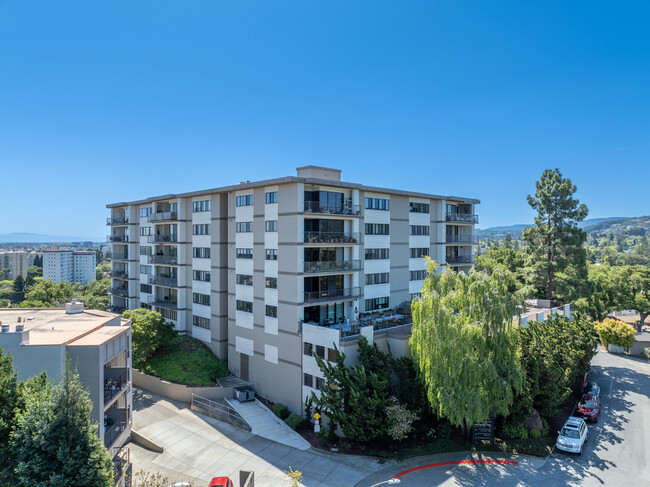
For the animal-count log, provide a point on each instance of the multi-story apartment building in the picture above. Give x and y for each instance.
(69, 265)
(16, 262)
(249, 268)
(99, 347)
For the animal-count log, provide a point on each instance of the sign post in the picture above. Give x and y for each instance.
(316, 423)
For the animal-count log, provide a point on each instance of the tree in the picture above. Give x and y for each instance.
(149, 332)
(102, 270)
(34, 271)
(504, 257)
(11, 402)
(635, 291)
(602, 294)
(95, 294)
(557, 263)
(464, 345)
(614, 332)
(19, 290)
(38, 261)
(55, 444)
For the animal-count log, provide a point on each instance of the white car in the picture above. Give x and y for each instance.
(573, 435)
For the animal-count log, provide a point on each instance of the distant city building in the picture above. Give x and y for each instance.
(16, 262)
(69, 265)
(98, 344)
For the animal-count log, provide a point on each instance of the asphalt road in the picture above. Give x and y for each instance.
(617, 451)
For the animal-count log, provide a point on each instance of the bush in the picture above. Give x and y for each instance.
(515, 431)
(615, 332)
(544, 427)
(444, 430)
(535, 434)
(281, 411)
(326, 436)
(646, 351)
(294, 421)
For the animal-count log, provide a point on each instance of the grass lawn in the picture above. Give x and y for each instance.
(187, 361)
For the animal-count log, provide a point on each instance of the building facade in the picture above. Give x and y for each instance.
(98, 345)
(16, 262)
(246, 268)
(69, 265)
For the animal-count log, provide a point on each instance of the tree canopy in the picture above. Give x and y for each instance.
(149, 331)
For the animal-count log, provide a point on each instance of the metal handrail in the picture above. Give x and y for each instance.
(163, 259)
(328, 266)
(162, 238)
(330, 294)
(163, 216)
(229, 414)
(332, 237)
(460, 260)
(117, 238)
(117, 428)
(164, 281)
(117, 220)
(120, 291)
(462, 239)
(121, 462)
(325, 209)
(462, 217)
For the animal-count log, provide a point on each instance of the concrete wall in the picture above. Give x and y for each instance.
(178, 392)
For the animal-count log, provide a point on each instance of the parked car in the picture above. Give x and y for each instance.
(591, 388)
(589, 407)
(181, 484)
(221, 482)
(573, 435)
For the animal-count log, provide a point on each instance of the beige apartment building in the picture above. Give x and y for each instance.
(98, 345)
(257, 270)
(17, 263)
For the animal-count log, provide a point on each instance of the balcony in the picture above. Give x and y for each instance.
(114, 386)
(119, 275)
(117, 238)
(460, 260)
(325, 209)
(117, 220)
(118, 309)
(113, 428)
(332, 294)
(461, 217)
(345, 238)
(332, 266)
(167, 281)
(120, 256)
(163, 302)
(161, 238)
(463, 239)
(163, 259)
(120, 291)
(121, 463)
(163, 216)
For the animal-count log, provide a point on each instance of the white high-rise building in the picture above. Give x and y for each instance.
(69, 265)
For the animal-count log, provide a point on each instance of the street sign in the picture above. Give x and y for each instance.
(483, 432)
(317, 416)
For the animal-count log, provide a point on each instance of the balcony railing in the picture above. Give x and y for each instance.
(121, 463)
(117, 220)
(119, 256)
(332, 238)
(114, 386)
(120, 291)
(163, 302)
(471, 239)
(325, 209)
(462, 217)
(119, 275)
(160, 238)
(163, 259)
(168, 281)
(118, 309)
(117, 238)
(114, 430)
(460, 260)
(163, 216)
(330, 266)
(332, 294)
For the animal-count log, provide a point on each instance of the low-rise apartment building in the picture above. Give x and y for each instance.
(69, 265)
(249, 268)
(98, 345)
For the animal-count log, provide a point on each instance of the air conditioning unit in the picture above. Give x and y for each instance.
(244, 394)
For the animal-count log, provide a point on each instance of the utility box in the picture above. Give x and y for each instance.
(244, 394)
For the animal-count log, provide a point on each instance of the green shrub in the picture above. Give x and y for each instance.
(544, 427)
(515, 431)
(615, 332)
(444, 430)
(535, 434)
(326, 436)
(281, 411)
(646, 351)
(294, 421)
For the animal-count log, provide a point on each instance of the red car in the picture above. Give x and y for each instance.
(589, 407)
(221, 482)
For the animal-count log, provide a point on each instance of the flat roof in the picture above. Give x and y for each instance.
(52, 326)
(293, 179)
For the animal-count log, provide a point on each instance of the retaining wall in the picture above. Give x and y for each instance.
(179, 392)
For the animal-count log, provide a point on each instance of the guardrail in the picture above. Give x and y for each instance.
(219, 411)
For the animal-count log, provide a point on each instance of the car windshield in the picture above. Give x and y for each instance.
(570, 433)
(588, 404)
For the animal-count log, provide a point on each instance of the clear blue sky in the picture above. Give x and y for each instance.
(110, 101)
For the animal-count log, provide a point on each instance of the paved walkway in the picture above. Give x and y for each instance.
(267, 425)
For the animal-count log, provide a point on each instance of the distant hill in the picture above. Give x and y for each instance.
(40, 238)
(638, 225)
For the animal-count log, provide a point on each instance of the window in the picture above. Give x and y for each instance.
(145, 269)
(308, 348)
(271, 197)
(374, 254)
(419, 208)
(201, 322)
(320, 383)
(320, 351)
(331, 355)
(271, 254)
(168, 314)
(145, 212)
(419, 230)
(244, 280)
(418, 275)
(272, 226)
(245, 200)
(202, 276)
(244, 253)
(272, 311)
(201, 299)
(144, 231)
(203, 205)
(417, 253)
(380, 278)
(146, 288)
(377, 229)
(376, 204)
(272, 282)
(308, 380)
(246, 306)
(201, 252)
(244, 227)
(201, 229)
(416, 296)
(376, 303)
(144, 250)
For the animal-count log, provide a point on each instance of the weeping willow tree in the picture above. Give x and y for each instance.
(464, 344)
